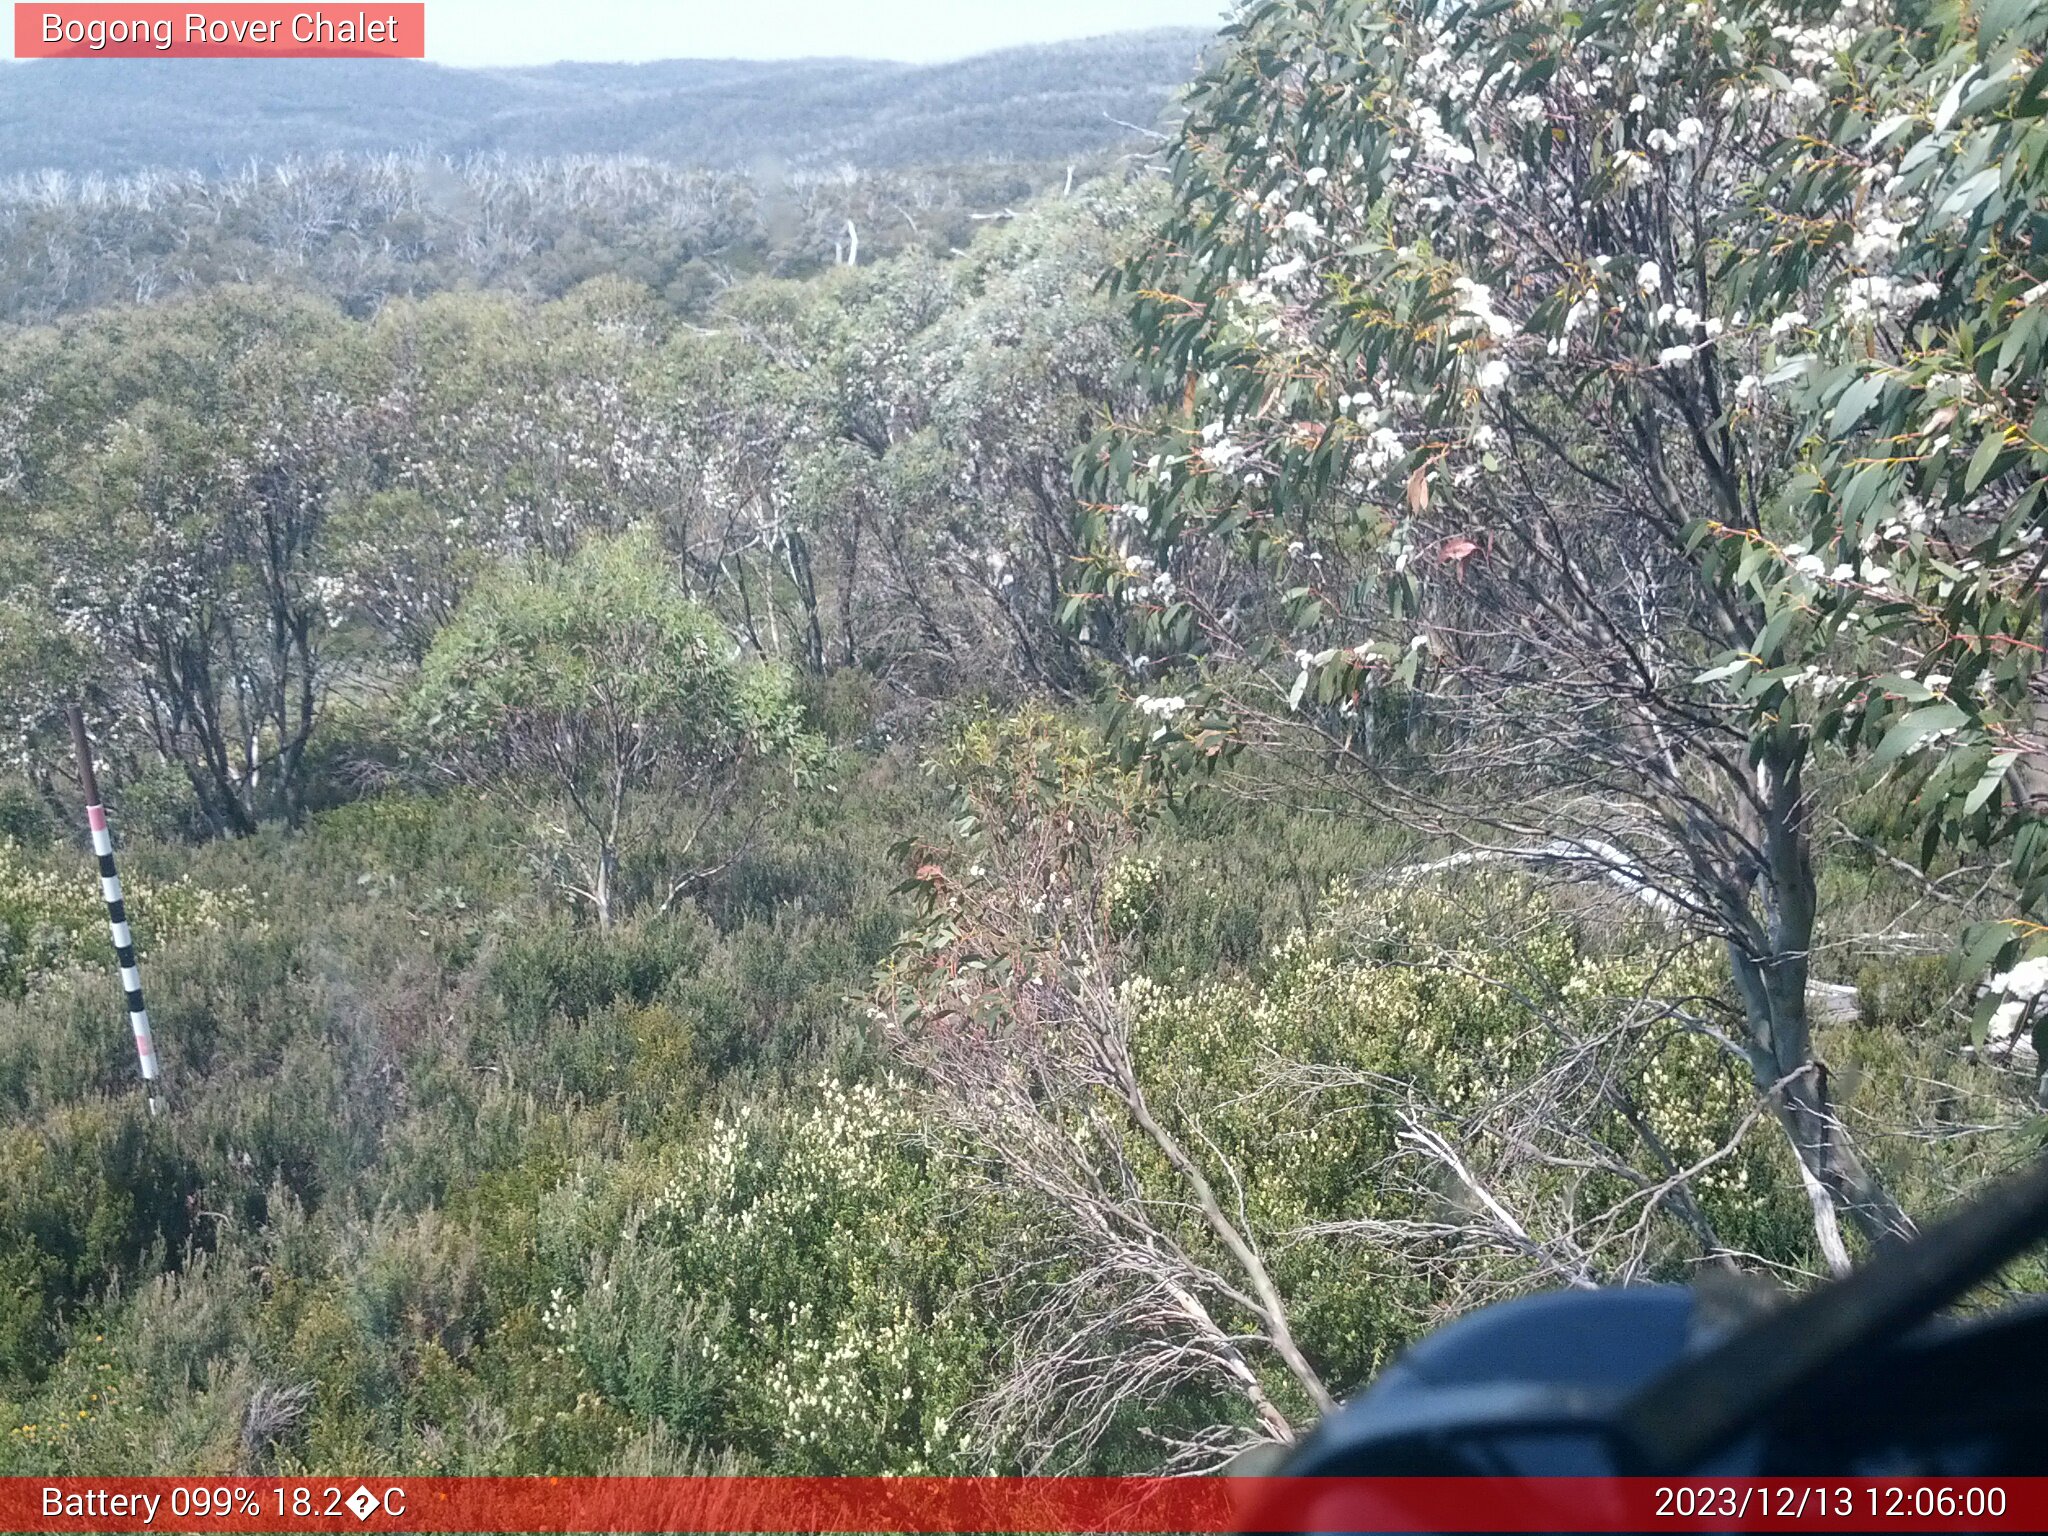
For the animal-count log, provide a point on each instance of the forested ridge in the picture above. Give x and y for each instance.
(1055, 100)
(1028, 835)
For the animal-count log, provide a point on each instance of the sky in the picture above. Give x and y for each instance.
(514, 32)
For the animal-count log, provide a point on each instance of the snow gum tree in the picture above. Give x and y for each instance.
(576, 686)
(1908, 551)
(1483, 325)
(177, 474)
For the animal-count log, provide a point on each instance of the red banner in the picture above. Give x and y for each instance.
(919, 1504)
(242, 31)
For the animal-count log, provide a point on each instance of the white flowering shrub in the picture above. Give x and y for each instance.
(801, 1290)
(1131, 895)
(54, 919)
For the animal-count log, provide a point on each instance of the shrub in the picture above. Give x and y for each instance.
(95, 1195)
(1906, 992)
(554, 972)
(52, 917)
(800, 1290)
(1131, 895)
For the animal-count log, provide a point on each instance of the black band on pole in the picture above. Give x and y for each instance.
(117, 909)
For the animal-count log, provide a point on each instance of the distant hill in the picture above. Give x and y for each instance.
(1038, 104)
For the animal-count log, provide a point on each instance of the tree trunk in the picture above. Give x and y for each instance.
(1770, 966)
(798, 551)
(601, 887)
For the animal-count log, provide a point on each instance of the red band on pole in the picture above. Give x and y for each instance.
(117, 910)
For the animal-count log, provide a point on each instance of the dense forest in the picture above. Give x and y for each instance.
(360, 231)
(1030, 840)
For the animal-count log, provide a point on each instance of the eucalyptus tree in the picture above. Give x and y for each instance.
(1019, 369)
(1911, 540)
(748, 403)
(1465, 366)
(587, 689)
(878, 458)
(194, 458)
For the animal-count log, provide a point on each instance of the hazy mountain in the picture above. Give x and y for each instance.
(1033, 103)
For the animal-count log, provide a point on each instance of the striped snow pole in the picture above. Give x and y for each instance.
(117, 912)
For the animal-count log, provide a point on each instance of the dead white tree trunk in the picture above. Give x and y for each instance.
(1170, 1289)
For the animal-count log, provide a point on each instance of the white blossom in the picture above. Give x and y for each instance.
(1302, 226)
(1162, 707)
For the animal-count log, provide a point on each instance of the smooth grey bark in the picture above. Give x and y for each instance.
(1770, 958)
